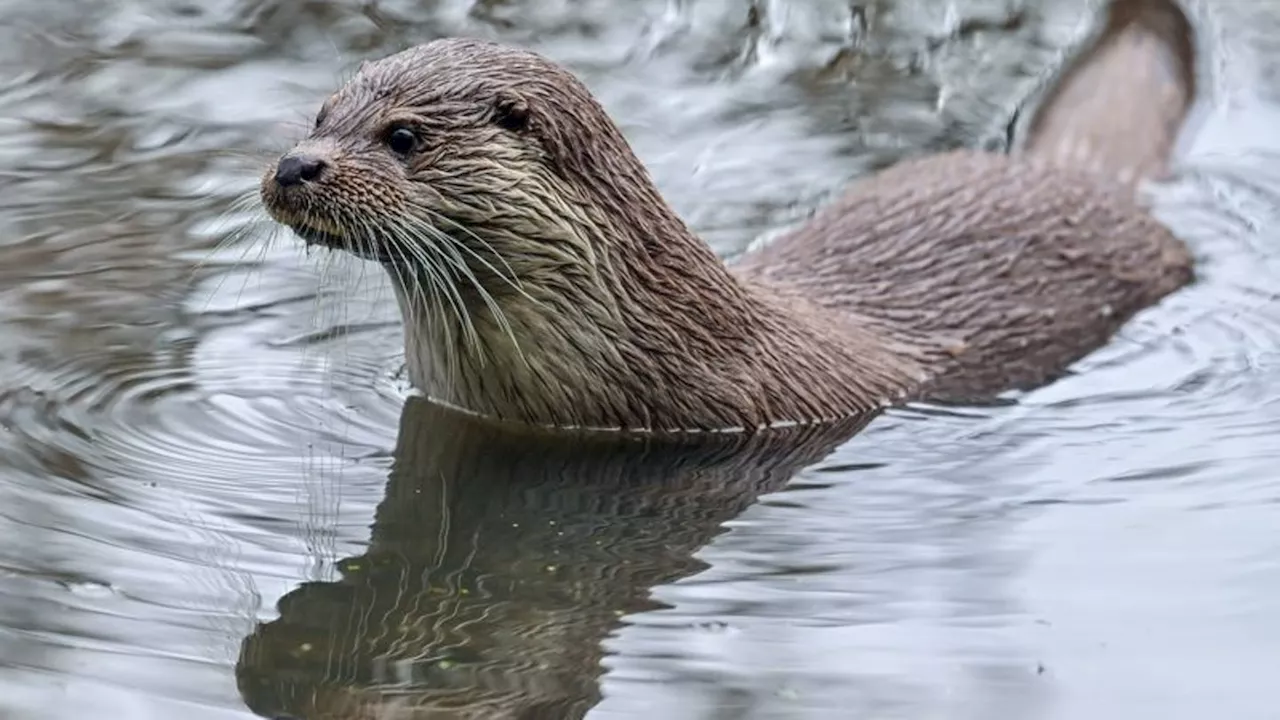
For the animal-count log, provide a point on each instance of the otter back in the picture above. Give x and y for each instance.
(1002, 271)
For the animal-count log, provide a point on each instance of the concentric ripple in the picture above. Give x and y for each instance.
(241, 401)
(197, 420)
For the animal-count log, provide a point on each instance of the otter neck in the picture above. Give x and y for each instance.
(645, 333)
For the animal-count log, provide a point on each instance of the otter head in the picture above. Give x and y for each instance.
(540, 274)
(462, 157)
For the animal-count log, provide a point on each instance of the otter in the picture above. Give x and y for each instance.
(543, 280)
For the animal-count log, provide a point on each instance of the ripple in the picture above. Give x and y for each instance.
(181, 446)
(148, 453)
(229, 402)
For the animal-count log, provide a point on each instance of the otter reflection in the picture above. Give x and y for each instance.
(500, 559)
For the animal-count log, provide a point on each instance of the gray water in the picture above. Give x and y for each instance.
(197, 419)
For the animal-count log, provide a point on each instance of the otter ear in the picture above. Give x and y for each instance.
(511, 111)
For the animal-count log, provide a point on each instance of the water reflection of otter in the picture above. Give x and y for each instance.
(499, 560)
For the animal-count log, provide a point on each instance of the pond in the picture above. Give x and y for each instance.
(216, 502)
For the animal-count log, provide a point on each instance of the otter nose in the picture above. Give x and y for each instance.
(297, 169)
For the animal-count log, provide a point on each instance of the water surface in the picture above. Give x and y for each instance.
(214, 500)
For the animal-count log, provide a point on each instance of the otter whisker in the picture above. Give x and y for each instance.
(401, 276)
(472, 332)
(513, 281)
(355, 241)
(327, 276)
(240, 262)
(352, 230)
(467, 336)
(420, 249)
(418, 271)
(452, 361)
(429, 262)
(439, 320)
(242, 202)
(452, 245)
(261, 260)
(217, 288)
(364, 229)
(367, 231)
(361, 240)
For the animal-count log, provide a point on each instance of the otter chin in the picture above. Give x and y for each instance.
(543, 279)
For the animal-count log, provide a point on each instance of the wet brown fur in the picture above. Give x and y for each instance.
(955, 276)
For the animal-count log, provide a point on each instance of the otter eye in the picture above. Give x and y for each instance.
(402, 141)
(511, 113)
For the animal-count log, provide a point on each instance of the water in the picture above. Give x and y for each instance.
(190, 434)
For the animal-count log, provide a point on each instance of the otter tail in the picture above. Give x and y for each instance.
(1119, 105)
